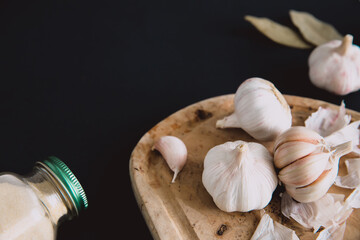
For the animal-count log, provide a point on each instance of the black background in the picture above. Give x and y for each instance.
(84, 80)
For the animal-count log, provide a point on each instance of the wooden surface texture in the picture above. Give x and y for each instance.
(184, 209)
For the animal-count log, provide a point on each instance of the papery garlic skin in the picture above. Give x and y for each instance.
(260, 109)
(174, 152)
(330, 210)
(308, 166)
(267, 229)
(325, 120)
(335, 66)
(352, 179)
(334, 126)
(349, 133)
(240, 176)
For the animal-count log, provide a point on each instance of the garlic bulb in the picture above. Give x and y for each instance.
(240, 176)
(308, 165)
(174, 151)
(260, 110)
(335, 66)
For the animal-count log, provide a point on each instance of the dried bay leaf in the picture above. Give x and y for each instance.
(314, 30)
(277, 32)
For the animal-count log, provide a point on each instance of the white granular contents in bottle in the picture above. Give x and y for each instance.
(22, 216)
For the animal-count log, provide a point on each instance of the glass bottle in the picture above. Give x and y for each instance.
(32, 206)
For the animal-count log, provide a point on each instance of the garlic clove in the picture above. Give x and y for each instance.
(174, 152)
(259, 109)
(291, 151)
(304, 171)
(315, 190)
(300, 134)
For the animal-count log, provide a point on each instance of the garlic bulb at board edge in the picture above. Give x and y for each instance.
(335, 66)
(240, 176)
(173, 151)
(259, 109)
(308, 166)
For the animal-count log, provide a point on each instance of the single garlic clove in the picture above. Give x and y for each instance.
(300, 134)
(174, 152)
(292, 151)
(335, 66)
(304, 171)
(315, 190)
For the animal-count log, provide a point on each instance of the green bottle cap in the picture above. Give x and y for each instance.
(69, 182)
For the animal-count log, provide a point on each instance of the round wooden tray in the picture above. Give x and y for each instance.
(184, 209)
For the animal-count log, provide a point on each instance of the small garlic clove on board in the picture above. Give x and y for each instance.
(173, 151)
(260, 109)
(239, 176)
(335, 66)
(307, 173)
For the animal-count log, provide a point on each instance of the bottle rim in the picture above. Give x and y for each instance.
(68, 180)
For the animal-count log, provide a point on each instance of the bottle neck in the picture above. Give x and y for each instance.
(52, 194)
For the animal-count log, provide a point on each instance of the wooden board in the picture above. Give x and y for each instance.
(184, 209)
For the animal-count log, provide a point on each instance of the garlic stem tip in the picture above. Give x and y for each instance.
(345, 45)
(242, 147)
